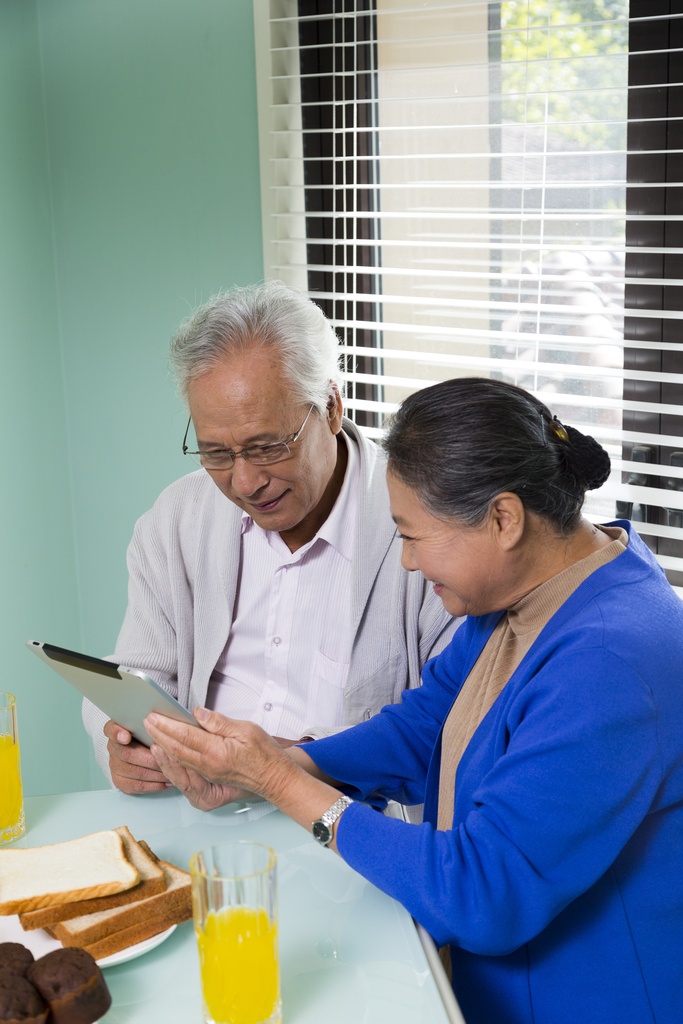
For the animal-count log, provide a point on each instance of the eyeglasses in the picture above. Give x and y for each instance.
(258, 455)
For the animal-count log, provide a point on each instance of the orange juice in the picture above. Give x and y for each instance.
(239, 966)
(11, 803)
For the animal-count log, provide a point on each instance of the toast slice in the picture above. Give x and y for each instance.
(152, 881)
(108, 931)
(135, 933)
(46, 876)
(147, 850)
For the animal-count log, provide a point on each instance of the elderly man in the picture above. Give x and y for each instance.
(268, 585)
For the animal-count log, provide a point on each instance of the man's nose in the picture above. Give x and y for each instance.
(248, 478)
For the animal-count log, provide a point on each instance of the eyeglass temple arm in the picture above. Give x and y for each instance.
(187, 430)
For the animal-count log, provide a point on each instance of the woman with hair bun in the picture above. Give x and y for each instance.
(546, 741)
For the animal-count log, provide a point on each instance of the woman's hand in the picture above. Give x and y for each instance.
(201, 793)
(219, 762)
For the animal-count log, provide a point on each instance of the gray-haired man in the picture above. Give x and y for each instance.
(268, 585)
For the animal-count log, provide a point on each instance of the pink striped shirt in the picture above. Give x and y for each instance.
(287, 657)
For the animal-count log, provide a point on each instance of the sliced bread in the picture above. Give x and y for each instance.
(152, 881)
(135, 933)
(157, 912)
(45, 876)
(147, 850)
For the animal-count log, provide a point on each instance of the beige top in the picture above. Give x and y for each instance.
(511, 639)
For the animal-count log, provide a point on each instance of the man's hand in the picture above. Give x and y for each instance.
(133, 766)
(201, 793)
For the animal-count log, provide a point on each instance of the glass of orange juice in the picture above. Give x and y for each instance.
(234, 901)
(11, 797)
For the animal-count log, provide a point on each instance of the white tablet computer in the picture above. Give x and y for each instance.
(126, 695)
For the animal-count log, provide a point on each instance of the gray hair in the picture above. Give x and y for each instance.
(460, 443)
(270, 315)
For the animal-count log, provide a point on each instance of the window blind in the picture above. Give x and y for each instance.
(476, 188)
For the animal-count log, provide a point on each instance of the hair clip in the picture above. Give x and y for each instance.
(558, 430)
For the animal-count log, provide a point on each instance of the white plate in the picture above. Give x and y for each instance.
(40, 943)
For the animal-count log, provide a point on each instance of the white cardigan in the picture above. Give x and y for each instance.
(184, 562)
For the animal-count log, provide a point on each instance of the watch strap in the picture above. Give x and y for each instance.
(323, 832)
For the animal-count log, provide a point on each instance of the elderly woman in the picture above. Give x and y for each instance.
(546, 741)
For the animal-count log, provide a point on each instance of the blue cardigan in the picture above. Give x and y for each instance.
(560, 886)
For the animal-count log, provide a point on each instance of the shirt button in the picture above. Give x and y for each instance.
(267, 707)
(277, 641)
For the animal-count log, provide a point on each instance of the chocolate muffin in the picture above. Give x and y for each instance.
(20, 1002)
(15, 957)
(72, 985)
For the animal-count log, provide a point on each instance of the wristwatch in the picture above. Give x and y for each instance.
(322, 828)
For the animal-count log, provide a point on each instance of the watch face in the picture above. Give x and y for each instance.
(322, 832)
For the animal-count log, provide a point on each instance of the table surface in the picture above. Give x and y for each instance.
(348, 952)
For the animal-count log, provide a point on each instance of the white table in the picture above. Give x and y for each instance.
(349, 954)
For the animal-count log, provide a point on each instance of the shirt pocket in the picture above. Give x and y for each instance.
(328, 679)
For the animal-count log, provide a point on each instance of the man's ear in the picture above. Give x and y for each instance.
(507, 519)
(335, 409)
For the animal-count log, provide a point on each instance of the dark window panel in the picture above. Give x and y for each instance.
(320, 254)
(676, 28)
(644, 297)
(672, 362)
(640, 329)
(646, 68)
(648, 201)
(674, 172)
(673, 300)
(646, 34)
(649, 234)
(664, 103)
(675, 106)
(352, 51)
(645, 265)
(646, 167)
(674, 234)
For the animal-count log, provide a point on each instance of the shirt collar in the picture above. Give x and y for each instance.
(339, 528)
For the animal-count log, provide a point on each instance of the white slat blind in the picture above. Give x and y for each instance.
(478, 152)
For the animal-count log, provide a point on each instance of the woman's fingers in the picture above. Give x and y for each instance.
(201, 793)
(238, 730)
(173, 771)
(214, 722)
(166, 732)
(224, 751)
(212, 756)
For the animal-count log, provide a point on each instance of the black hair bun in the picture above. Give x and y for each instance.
(585, 459)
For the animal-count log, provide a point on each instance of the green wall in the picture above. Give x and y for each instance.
(38, 584)
(129, 189)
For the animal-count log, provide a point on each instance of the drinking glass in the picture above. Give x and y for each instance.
(234, 901)
(11, 797)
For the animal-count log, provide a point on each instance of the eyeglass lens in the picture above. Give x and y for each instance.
(256, 456)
